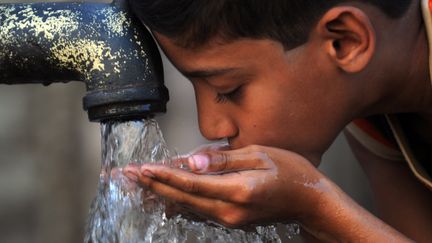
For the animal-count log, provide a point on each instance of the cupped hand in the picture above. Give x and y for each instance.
(252, 185)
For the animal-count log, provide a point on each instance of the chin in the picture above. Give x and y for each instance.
(313, 158)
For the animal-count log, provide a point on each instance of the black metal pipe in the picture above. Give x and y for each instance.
(103, 45)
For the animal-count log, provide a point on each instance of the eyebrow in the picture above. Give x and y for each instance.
(207, 73)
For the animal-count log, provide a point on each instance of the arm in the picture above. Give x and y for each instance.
(339, 219)
(400, 199)
(259, 184)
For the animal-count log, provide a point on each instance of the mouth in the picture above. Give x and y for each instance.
(233, 144)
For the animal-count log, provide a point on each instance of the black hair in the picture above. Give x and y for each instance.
(192, 23)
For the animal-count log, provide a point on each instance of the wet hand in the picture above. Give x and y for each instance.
(254, 184)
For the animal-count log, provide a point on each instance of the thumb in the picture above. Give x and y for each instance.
(227, 161)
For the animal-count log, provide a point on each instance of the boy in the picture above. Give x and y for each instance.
(279, 80)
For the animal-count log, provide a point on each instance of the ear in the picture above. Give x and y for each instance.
(349, 37)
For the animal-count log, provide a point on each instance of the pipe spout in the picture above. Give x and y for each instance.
(102, 45)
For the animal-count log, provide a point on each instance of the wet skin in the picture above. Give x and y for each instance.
(280, 109)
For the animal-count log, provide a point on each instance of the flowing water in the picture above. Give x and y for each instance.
(124, 212)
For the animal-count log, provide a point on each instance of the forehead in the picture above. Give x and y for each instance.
(221, 53)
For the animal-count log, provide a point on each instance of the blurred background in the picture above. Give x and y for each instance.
(50, 157)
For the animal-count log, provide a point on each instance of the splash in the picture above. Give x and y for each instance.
(124, 212)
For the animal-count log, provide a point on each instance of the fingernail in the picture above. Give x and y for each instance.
(129, 168)
(131, 176)
(147, 173)
(200, 162)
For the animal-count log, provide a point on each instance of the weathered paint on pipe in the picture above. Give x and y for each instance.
(100, 44)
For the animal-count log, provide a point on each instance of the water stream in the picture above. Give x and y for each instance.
(124, 212)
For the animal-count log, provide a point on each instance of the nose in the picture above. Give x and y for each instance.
(215, 122)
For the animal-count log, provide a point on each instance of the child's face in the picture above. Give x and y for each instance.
(255, 92)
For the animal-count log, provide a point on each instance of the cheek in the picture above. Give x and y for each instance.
(292, 118)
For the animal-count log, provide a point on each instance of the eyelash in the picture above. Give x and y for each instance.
(224, 97)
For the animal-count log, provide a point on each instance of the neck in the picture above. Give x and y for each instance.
(408, 88)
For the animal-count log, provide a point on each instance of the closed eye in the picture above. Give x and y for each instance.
(233, 96)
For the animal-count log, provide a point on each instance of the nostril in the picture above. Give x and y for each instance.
(221, 134)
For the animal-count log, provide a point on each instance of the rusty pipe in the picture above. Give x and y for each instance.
(102, 45)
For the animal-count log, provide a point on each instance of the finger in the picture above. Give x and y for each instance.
(172, 209)
(204, 185)
(182, 160)
(202, 206)
(132, 171)
(225, 213)
(228, 161)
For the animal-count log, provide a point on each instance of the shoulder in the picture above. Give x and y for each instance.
(383, 138)
(375, 135)
(399, 197)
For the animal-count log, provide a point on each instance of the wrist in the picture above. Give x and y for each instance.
(318, 217)
(335, 217)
